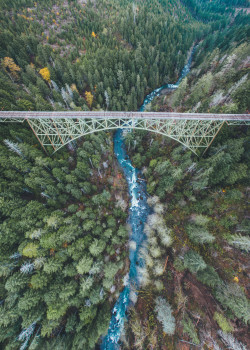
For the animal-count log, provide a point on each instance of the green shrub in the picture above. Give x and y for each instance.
(201, 220)
(179, 264)
(234, 195)
(194, 262)
(199, 234)
(240, 242)
(232, 297)
(72, 208)
(208, 276)
(228, 221)
(223, 322)
(84, 264)
(189, 328)
(164, 315)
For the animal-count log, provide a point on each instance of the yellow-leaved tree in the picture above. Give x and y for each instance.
(73, 87)
(45, 73)
(10, 67)
(89, 98)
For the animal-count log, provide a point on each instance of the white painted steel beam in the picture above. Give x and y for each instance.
(56, 129)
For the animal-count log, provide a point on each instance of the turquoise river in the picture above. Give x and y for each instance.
(138, 213)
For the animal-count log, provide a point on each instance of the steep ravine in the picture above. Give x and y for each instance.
(138, 213)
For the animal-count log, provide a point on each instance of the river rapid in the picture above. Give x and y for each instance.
(138, 213)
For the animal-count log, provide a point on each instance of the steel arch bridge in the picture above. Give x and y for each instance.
(56, 129)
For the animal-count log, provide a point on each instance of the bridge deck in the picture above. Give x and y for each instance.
(124, 115)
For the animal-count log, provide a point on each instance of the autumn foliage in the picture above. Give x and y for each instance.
(9, 64)
(89, 98)
(45, 73)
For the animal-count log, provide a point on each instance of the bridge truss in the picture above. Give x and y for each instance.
(56, 129)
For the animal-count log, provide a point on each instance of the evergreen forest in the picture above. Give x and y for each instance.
(64, 234)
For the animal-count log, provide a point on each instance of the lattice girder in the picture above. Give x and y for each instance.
(193, 134)
(12, 120)
(56, 129)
